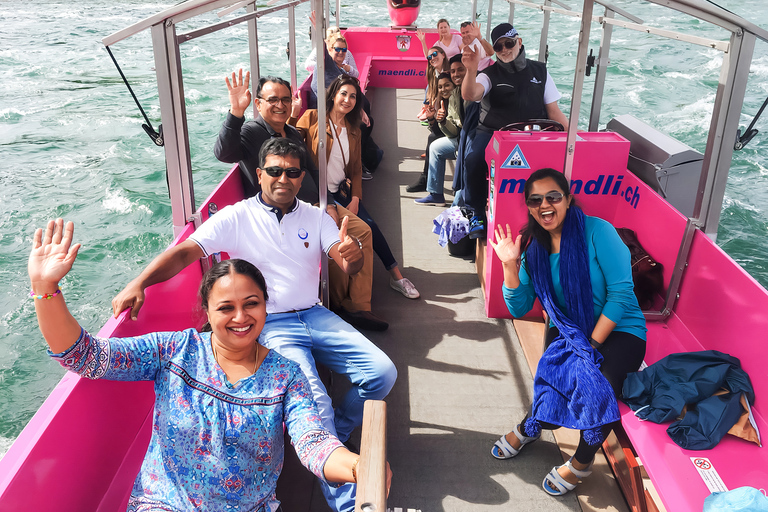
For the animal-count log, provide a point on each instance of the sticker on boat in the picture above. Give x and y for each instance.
(516, 160)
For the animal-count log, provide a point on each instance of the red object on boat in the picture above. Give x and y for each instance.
(403, 13)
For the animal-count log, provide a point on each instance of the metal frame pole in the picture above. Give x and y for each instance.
(490, 21)
(511, 13)
(729, 101)
(338, 12)
(292, 47)
(600, 73)
(544, 33)
(253, 47)
(322, 164)
(174, 119)
(473, 18)
(578, 84)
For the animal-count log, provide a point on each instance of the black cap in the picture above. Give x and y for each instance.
(503, 30)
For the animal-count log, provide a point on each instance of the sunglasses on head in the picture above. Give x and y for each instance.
(536, 200)
(276, 172)
(507, 43)
(432, 55)
(337, 50)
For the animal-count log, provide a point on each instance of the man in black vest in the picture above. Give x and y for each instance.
(513, 89)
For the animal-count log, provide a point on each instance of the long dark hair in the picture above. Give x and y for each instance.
(432, 73)
(533, 229)
(354, 117)
(225, 268)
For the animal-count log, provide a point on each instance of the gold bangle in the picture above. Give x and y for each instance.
(354, 469)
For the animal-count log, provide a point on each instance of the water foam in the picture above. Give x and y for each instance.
(114, 201)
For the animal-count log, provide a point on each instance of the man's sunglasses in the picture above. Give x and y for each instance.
(276, 172)
(337, 50)
(432, 55)
(535, 200)
(274, 100)
(507, 43)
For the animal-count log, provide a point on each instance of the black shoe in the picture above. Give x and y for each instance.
(363, 320)
(419, 186)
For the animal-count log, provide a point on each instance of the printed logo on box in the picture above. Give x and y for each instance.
(516, 160)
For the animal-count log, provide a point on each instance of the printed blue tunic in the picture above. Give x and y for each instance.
(214, 446)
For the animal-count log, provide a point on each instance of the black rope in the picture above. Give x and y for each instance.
(743, 140)
(156, 137)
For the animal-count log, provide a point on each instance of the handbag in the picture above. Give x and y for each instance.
(647, 273)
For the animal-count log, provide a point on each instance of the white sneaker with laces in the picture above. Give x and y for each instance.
(405, 287)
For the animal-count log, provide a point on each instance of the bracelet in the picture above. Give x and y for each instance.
(46, 296)
(595, 344)
(354, 469)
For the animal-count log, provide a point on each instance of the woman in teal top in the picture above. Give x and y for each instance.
(580, 270)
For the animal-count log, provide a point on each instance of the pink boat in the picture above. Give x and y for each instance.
(710, 302)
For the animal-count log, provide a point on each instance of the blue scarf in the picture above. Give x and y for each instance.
(569, 389)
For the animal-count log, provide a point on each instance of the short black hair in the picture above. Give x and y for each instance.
(466, 24)
(276, 79)
(455, 58)
(280, 146)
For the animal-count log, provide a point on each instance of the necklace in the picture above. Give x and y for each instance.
(216, 356)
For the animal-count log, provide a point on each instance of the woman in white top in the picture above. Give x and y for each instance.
(345, 167)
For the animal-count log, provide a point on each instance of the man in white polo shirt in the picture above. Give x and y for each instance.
(285, 239)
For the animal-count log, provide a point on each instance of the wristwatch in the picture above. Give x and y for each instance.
(595, 344)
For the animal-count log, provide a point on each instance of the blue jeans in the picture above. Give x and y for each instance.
(440, 150)
(316, 334)
(475, 174)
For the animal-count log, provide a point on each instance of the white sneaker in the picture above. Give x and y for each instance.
(405, 287)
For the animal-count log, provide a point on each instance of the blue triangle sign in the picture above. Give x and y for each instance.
(516, 160)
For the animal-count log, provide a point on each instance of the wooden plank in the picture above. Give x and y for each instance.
(372, 468)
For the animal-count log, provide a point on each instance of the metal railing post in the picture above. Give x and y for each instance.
(292, 47)
(253, 47)
(174, 118)
(578, 84)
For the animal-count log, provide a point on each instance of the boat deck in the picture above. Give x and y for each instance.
(463, 378)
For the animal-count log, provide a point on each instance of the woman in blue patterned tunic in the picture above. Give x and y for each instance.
(221, 398)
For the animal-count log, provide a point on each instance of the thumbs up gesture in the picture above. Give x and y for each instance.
(350, 248)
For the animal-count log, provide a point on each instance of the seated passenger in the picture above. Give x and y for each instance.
(580, 270)
(345, 167)
(449, 121)
(347, 63)
(449, 42)
(471, 36)
(286, 238)
(240, 141)
(534, 96)
(457, 71)
(335, 64)
(221, 398)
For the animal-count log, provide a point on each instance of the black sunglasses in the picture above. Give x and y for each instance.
(507, 43)
(276, 172)
(536, 200)
(337, 50)
(432, 55)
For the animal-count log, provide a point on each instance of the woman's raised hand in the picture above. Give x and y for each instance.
(420, 35)
(506, 247)
(52, 256)
(296, 104)
(239, 94)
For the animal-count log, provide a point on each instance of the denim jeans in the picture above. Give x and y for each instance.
(439, 151)
(475, 174)
(316, 334)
